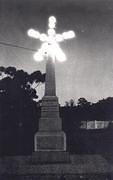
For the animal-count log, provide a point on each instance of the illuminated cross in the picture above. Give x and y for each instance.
(50, 136)
(50, 46)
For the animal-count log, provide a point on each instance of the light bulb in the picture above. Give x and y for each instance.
(33, 33)
(43, 37)
(69, 35)
(38, 56)
(51, 32)
(52, 19)
(59, 38)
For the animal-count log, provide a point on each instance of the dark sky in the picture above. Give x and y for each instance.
(88, 71)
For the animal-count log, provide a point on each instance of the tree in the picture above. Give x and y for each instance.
(103, 109)
(71, 103)
(66, 104)
(82, 102)
(18, 108)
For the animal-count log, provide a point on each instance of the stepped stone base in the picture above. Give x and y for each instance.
(44, 157)
(81, 167)
(50, 141)
(58, 177)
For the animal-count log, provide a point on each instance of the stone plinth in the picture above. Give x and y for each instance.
(45, 157)
(50, 136)
(50, 141)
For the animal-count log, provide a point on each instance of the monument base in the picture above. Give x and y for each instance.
(50, 141)
(48, 157)
(50, 147)
(81, 167)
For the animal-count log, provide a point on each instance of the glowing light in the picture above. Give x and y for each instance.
(68, 35)
(45, 48)
(52, 25)
(52, 19)
(38, 56)
(60, 56)
(50, 46)
(43, 37)
(59, 38)
(71, 34)
(33, 33)
(51, 32)
(52, 22)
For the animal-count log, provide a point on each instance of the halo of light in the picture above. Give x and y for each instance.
(52, 22)
(51, 32)
(52, 19)
(44, 48)
(60, 56)
(59, 38)
(71, 34)
(38, 56)
(65, 35)
(51, 25)
(68, 35)
(33, 33)
(50, 46)
(43, 37)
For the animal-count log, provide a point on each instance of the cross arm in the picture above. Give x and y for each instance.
(33, 33)
(69, 34)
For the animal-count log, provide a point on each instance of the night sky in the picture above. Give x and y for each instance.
(88, 71)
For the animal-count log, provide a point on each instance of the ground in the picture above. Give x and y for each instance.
(90, 167)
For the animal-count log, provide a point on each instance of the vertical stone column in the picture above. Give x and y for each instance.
(50, 85)
(50, 136)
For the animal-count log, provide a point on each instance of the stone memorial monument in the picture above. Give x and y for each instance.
(50, 140)
(50, 136)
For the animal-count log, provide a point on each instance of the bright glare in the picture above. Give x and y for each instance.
(38, 56)
(51, 25)
(43, 37)
(44, 48)
(52, 50)
(60, 56)
(50, 46)
(55, 51)
(69, 35)
(52, 22)
(51, 32)
(52, 19)
(59, 38)
(33, 33)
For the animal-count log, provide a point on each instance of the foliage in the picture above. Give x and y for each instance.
(18, 110)
(93, 141)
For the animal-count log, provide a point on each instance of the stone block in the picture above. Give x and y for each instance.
(50, 120)
(50, 124)
(48, 157)
(50, 141)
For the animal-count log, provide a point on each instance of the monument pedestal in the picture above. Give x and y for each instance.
(50, 157)
(50, 140)
(50, 136)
